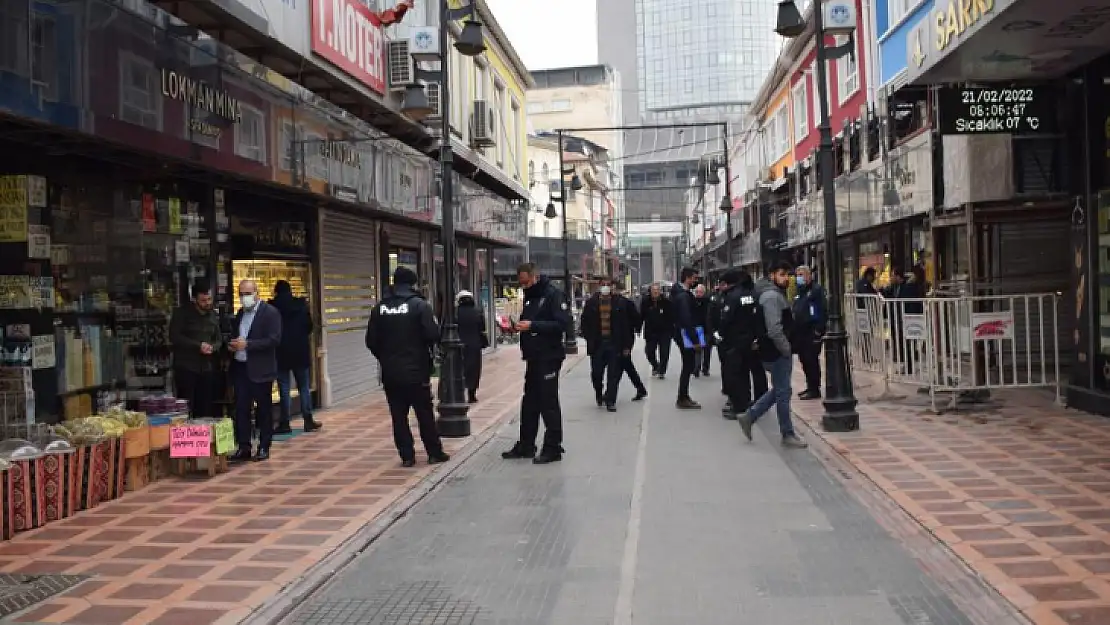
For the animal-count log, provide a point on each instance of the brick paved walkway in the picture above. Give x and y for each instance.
(655, 517)
(1019, 489)
(200, 552)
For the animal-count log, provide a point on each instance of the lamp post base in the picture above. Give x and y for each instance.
(453, 421)
(840, 422)
(840, 400)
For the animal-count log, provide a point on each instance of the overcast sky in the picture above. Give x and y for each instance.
(550, 33)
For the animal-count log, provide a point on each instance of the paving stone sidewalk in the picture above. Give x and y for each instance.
(654, 517)
(198, 552)
(1018, 487)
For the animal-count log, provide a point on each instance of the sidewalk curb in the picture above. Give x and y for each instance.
(275, 609)
(874, 498)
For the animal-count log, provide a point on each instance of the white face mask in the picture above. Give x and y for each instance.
(605, 290)
(247, 301)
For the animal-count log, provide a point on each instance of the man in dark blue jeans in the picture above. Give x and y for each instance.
(294, 356)
(774, 350)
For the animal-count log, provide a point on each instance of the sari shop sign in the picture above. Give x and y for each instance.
(348, 35)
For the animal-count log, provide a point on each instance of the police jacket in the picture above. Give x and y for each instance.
(546, 308)
(713, 315)
(622, 323)
(685, 312)
(740, 321)
(656, 317)
(402, 334)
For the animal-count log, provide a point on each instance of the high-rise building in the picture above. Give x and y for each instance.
(682, 62)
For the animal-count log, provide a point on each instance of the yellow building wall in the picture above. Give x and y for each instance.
(782, 98)
(515, 89)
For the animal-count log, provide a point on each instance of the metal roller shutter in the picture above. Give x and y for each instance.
(348, 253)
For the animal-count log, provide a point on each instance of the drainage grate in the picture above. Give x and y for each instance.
(418, 603)
(19, 592)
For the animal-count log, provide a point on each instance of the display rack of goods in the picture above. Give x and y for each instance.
(163, 412)
(26, 471)
(60, 475)
(99, 450)
(201, 445)
(7, 501)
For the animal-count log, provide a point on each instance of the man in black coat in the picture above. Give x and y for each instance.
(809, 309)
(401, 334)
(658, 327)
(294, 356)
(737, 328)
(627, 365)
(543, 323)
(474, 336)
(609, 329)
(253, 371)
(685, 330)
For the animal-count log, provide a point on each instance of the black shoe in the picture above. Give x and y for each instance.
(518, 452)
(472, 398)
(640, 395)
(408, 463)
(600, 397)
(685, 403)
(548, 456)
(262, 456)
(611, 407)
(697, 374)
(808, 395)
(439, 458)
(242, 455)
(705, 373)
(285, 428)
(311, 425)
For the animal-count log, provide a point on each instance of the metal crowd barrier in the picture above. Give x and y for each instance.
(958, 345)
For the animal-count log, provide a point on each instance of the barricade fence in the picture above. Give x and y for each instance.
(957, 345)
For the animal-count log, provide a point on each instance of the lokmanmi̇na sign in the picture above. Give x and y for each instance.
(203, 98)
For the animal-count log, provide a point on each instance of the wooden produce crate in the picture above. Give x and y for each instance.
(138, 473)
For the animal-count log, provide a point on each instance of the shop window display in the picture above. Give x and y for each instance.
(1102, 290)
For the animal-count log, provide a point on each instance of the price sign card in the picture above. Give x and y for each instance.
(190, 441)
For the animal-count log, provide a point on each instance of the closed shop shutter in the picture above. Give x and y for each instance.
(348, 254)
(402, 236)
(1034, 258)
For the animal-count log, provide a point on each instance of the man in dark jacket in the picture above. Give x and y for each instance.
(685, 330)
(609, 329)
(401, 334)
(810, 318)
(701, 316)
(294, 356)
(254, 369)
(716, 302)
(627, 365)
(196, 340)
(739, 326)
(658, 325)
(543, 323)
(474, 336)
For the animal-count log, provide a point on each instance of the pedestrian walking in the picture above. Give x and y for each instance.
(701, 317)
(685, 330)
(775, 352)
(196, 340)
(402, 334)
(294, 357)
(253, 371)
(739, 326)
(712, 320)
(627, 365)
(609, 331)
(658, 329)
(807, 335)
(544, 321)
(475, 338)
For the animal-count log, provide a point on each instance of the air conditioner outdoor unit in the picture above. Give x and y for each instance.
(400, 65)
(482, 133)
(432, 90)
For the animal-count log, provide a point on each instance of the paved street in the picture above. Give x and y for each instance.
(655, 517)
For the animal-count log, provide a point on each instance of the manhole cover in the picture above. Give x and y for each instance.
(420, 603)
(19, 592)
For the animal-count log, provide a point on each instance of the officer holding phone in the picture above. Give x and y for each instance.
(543, 323)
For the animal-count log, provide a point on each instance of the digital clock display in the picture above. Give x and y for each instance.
(991, 110)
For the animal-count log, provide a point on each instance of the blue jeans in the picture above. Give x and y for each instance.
(779, 394)
(303, 378)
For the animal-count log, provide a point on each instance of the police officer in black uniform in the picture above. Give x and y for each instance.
(402, 334)
(738, 329)
(543, 323)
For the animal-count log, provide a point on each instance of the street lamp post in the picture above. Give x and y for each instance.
(453, 421)
(570, 342)
(840, 401)
(726, 202)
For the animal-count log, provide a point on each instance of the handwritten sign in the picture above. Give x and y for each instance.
(225, 437)
(42, 352)
(190, 441)
(13, 209)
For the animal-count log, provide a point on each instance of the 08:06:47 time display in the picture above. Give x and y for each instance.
(996, 110)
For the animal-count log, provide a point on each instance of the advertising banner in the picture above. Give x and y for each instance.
(349, 35)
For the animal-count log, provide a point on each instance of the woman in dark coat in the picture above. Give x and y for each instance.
(294, 356)
(472, 333)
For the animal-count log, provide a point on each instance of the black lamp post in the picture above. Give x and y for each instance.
(453, 421)
(570, 344)
(840, 401)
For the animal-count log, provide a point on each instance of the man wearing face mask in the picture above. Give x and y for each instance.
(609, 333)
(196, 340)
(253, 371)
(809, 329)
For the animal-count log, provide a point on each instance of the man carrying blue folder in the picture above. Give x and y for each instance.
(686, 334)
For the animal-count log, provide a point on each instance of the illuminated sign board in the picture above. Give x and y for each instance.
(994, 110)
